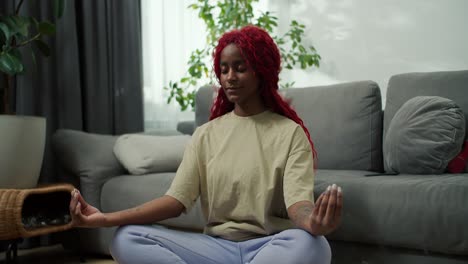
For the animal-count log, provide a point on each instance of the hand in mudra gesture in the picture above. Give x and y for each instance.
(326, 215)
(82, 213)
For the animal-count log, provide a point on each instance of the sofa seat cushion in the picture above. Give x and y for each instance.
(426, 212)
(127, 191)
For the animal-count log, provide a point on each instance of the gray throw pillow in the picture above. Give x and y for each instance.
(424, 135)
(142, 154)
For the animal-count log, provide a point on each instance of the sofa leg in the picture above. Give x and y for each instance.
(11, 253)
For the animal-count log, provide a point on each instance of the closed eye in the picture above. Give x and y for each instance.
(238, 66)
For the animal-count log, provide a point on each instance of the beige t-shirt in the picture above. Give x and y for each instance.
(246, 171)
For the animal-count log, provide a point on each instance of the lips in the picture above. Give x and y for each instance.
(231, 90)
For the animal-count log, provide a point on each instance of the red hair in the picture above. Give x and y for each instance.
(261, 53)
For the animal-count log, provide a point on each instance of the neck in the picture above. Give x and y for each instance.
(248, 110)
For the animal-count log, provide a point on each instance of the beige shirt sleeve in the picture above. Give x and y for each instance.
(186, 184)
(298, 179)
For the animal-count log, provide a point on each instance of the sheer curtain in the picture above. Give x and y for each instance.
(170, 32)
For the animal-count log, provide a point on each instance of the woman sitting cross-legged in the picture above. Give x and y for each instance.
(251, 166)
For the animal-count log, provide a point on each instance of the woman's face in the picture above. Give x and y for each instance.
(238, 80)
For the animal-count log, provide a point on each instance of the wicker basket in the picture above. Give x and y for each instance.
(15, 204)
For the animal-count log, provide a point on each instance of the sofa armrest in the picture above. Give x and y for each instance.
(186, 127)
(89, 157)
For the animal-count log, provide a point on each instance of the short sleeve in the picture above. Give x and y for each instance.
(298, 179)
(186, 184)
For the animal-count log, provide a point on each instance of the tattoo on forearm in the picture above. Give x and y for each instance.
(301, 214)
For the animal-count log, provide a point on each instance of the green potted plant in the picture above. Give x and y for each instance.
(23, 137)
(222, 16)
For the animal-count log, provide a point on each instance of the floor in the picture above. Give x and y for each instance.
(55, 255)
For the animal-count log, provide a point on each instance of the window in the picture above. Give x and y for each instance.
(170, 31)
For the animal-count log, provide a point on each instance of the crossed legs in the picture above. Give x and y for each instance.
(157, 244)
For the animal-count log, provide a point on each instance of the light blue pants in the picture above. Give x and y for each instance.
(158, 245)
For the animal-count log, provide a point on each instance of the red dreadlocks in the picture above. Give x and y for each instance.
(261, 53)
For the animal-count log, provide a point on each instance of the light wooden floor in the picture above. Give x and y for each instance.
(55, 255)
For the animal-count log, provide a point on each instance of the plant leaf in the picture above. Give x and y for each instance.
(59, 7)
(6, 31)
(8, 20)
(10, 64)
(34, 21)
(46, 28)
(43, 47)
(21, 24)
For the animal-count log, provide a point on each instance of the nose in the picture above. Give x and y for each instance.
(231, 75)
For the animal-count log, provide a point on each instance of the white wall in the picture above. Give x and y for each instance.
(375, 39)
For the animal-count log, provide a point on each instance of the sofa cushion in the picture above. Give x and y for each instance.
(448, 84)
(128, 191)
(426, 212)
(425, 134)
(88, 156)
(142, 154)
(345, 123)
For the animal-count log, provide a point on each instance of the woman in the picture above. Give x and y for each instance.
(252, 166)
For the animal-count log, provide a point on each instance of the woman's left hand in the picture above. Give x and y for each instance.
(326, 215)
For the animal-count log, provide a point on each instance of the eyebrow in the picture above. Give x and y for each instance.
(236, 62)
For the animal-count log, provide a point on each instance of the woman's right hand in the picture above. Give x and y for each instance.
(83, 214)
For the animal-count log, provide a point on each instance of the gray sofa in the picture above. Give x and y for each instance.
(388, 217)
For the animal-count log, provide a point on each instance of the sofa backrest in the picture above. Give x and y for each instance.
(345, 123)
(203, 102)
(402, 87)
(344, 120)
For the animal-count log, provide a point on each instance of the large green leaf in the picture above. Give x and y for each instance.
(5, 30)
(10, 64)
(21, 25)
(46, 28)
(17, 25)
(59, 7)
(10, 22)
